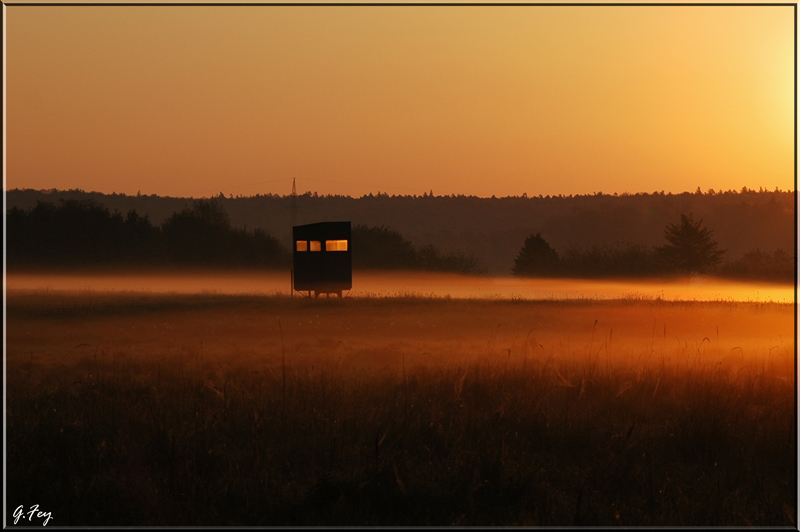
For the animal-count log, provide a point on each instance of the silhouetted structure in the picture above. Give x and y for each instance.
(322, 258)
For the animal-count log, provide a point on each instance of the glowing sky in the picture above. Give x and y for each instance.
(191, 101)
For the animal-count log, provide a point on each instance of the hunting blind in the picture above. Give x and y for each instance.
(321, 256)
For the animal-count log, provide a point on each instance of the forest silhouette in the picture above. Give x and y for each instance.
(593, 236)
(690, 250)
(80, 233)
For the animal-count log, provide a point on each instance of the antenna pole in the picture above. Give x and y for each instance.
(293, 204)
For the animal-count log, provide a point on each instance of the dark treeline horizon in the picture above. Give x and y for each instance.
(492, 230)
(84, 234)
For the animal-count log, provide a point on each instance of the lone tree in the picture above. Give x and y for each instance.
(535, 258)
(691, 248)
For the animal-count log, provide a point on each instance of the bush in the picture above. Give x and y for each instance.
(612, 261)
(765, 266)
(429, 258)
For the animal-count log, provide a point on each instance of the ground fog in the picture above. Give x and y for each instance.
(374, 284)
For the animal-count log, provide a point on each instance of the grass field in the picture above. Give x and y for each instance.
(143, 409)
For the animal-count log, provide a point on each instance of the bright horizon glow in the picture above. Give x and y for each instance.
(482, 101)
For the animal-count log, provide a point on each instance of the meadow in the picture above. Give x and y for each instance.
(143, 409)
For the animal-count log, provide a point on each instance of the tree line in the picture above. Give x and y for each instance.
(381, 248)
(78, 233)
(690, 249)
(492, 229)
(81, 233)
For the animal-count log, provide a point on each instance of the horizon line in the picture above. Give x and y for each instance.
(379, 194)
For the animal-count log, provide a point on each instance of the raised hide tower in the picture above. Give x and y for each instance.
(322, 258)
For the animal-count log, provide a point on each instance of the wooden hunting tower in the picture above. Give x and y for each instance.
(322, 258)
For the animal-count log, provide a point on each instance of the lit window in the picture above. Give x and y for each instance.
(336, 245)
(315, 245)
(302, 245)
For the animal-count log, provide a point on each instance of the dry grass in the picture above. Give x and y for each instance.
(229, 410)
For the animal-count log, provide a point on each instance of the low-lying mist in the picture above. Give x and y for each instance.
(388, 284)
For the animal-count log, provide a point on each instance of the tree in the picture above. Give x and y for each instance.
(381, 248)
(200, 233)
(535, 258)
(691, 248)
(78, 232)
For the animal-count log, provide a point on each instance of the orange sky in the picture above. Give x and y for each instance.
(191, 101)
